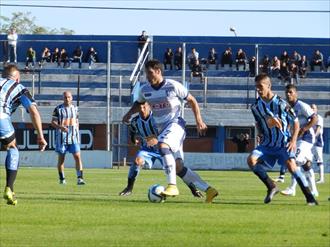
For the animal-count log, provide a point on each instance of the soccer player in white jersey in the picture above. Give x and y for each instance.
(318, 144)
(13, 94)
(65, 121)
(165, 97)
(307, 119)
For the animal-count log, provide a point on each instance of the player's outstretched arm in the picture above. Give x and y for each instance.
(201, 126)
(37, 124)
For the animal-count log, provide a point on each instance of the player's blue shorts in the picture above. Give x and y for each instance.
(149, 158)
(6, 128)
(71, 148)
(270, 155)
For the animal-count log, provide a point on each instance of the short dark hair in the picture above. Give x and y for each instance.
(154, 64)
(9, 71)
(291, 86)
(260, 77)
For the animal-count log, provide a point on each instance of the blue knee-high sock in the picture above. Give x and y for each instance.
(12, 163)
(261, 173)
(303, 184)
(133, 172)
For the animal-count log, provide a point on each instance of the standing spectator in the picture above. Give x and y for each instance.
(56, 56)
(91, 57)
(285, 57)
(227, 58)
(192, 57)
(295, 58)
(317, 60)
(178, 58)
(240, 59)
(252, 66)
(77, 56)
(212, 57)
(65, 121)
(302, 66)
(168, 58)
(242, 142)
(12, 45)
(142, 39)
(30, 57)
(275, 67)
(294, 73)
(64, 58)
(46, 57)
(265, 65)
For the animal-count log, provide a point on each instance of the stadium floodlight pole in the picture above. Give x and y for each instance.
(108, 96)
(257, 64)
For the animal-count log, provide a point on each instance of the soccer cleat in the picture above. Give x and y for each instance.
(315, 193)
(62, 182)
(9, 196)
(195, 191)
(280, 179)
(313, 202)
(171, 190)
(270, 194)
(288, 192)
(126, 192)
(320, 181)
(80, 181)
(211, 193)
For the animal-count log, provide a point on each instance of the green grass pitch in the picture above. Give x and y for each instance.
(49, 214)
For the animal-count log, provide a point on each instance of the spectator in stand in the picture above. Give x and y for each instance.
(328, 64)
(295, 58)
(46, 57)
(294, 73)
(227, 58)
(178, 58)
(168, 58)
(30, 57)
(265, 65)
(64, 58)
(242, 142)
(275, 67)
(285, 57)
(285, 73)
(78, 55)
(317, 60)
(197, 70)
(12, 45)
(142, 39)
(56, 56)
(91, 57)
(302, 66)
(240, 59)
(193, 57)
(212, 57)
(252, 66)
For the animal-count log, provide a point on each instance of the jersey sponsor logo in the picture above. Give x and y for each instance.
(161, 105)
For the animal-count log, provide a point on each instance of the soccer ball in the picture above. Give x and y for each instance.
(154, 193)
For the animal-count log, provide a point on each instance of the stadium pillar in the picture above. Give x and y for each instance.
(184, 83)
(108, 95)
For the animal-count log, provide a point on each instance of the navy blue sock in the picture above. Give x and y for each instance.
(261, 173)
(61, 175)
(183, 172)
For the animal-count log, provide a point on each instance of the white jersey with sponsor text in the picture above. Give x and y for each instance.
(165, 101)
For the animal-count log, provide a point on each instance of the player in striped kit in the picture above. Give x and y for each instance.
(165, 97)
(65, 121)
(273, 117)
(307, 119)
(143, 131)
(13, 94)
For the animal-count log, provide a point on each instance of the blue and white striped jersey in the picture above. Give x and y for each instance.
(67, 117)
(165, 101)
(304, 113)
(277, 107)
(13, 94)
(319, 139)
(143, 128)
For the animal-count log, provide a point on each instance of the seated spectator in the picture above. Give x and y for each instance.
(294, 73)
(46, 57)
(227, 58)
(265, 65)
(317, 60)
(91, 57)
(295, 58)
(240, 59)
(212, 57)
(197, 70)
(64, 58)
(178, 58)
(242, 142)
(192, 57)
(285, 57)
(252, 66)
(328, 64)
(30, 57)
(284, 72)
(168, 58)
(275, 67)
(78, 55)
(56, 56)
(302, 66)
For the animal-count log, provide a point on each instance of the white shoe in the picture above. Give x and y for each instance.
(315, 193)
(320, 181)
(279, 179)
(63, 182)
(80, 181)
(288, 192)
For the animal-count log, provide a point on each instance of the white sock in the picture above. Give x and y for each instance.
(321, 167)
(169, 165)
(194, 178)
(310, 176)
